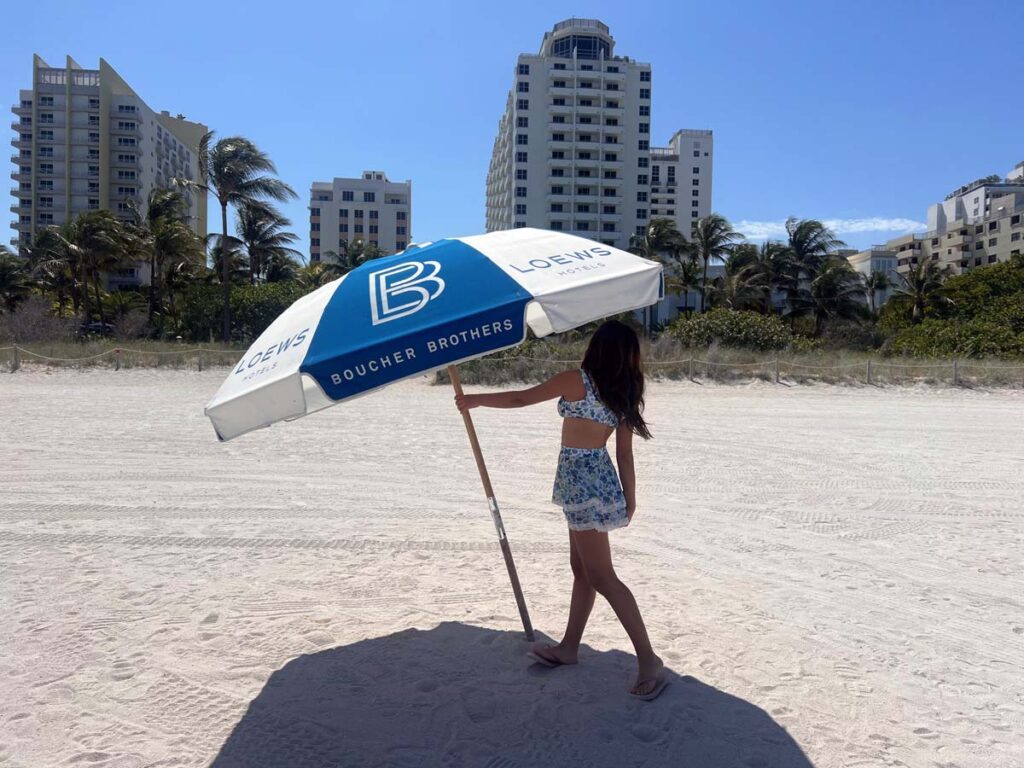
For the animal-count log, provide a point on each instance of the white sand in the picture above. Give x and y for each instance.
(833, 575)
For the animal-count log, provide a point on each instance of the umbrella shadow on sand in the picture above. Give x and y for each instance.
(461, 695)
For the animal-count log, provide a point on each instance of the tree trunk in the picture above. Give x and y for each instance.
(704, 285)
(99, 300)
(152, 289)
(86, 309)
(225, 332)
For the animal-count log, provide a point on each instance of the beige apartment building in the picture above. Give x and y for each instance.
(979, 224)
(681, 178)
(371, 208)
(84, 141)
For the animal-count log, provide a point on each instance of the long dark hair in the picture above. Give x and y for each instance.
(613, 362)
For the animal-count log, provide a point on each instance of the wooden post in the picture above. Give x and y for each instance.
(776, 370)
(956, 375)
(868, 379)
(117, 359)
(689, 374)
(16, 360)
(492, 504)
(199, 360)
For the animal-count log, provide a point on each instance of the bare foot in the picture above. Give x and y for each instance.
(555, 653)
(647, 676)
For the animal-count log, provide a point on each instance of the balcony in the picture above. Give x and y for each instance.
(616, 77)
(23, 125)
(593, 109)
(21, 111)
(557, 90)
(116, 128)
(19, 144)
(616, 129)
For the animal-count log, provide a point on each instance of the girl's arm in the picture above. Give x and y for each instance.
(624, 458)
(567, 384)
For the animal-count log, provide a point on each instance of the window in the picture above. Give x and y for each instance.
(979, 229)
(610, 175)
(610, 157)
(126, 191)
(583, 226)
(556, 226)
(558, 190)
(992, 242)
(607, 227)
(583, 173)
(641, 197)
(586, 102)
(558, 102)
(559, 66)
(374, 229)
(94, 136)
(643, 162)
(46, 167)
(611, 104)
(374, 214)
(696, 193)
(641, 179)
(343, 228)
(586, 84)
(611, 140)
(558, 118)
(126, 125)
(520, 224)
(401, 231)
(645, 127)
(643, 145)
(558, 172)
(314, 211)
(696, 182)
(46, 135)
(1015, 237)
(520, 209)
(44, 101)
(369, 197)
(993, 225)
(645, 93)
(126, 108)
(520, 174)
(520, 191)
(558, 137)
(611, 69)
(46, 202)
(586, 137)
(583, 155)
(314, 227)
(979, 245)
(125, 141)
(524, 69)
(586, 121)
(559, 84)
(46, 151)
(556, 207)
(608, 210)
(586, 67)
(359, 213)
(358, 229)
(522, 139)
(126, 175)
(583, 191)
(645, 75)
(315, 241)
(400, 244)
(400, 216)
(522, 104)
(522, 122)
(347, 196)
(611, 86)
(610, 192)
(44, 184)
(521, 157)
(343, 213)
(557, 154)
(522, 87)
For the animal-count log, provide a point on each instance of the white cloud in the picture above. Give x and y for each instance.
(762, 230)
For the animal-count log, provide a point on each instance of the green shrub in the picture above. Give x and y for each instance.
(955, 338)
(253, 308)
(731, 328)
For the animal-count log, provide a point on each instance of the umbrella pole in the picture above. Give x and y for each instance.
(492, 504)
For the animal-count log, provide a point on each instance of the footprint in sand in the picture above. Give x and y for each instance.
(648, 734)
(426, 686)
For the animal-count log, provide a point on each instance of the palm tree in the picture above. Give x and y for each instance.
(744, 284)
(104, 244)
(713, 238)
(660, 242)
(260, 230)
(836, 291)
(15, 280)
(875, 282)
(234, 170)
(315, 275)
(920, 287)
(56, 264)
(809, 246)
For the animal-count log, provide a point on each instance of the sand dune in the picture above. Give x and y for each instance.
(832, 574)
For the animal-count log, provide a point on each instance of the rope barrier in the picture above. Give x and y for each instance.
(881, 365)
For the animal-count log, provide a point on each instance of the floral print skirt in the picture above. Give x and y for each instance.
(588, 491)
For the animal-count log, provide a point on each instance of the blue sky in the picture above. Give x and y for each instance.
(863, 113)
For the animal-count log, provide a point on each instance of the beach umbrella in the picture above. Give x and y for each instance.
(429, 307)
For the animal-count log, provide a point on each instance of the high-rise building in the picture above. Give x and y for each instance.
(85, 140)
(681, 178)
(573, 148)
(980, 223)
(372, 209)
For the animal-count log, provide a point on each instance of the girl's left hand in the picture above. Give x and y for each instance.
(465, 402)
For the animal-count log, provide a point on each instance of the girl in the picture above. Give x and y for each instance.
(605, 395)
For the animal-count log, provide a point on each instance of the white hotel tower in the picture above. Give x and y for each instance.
(573, 148)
